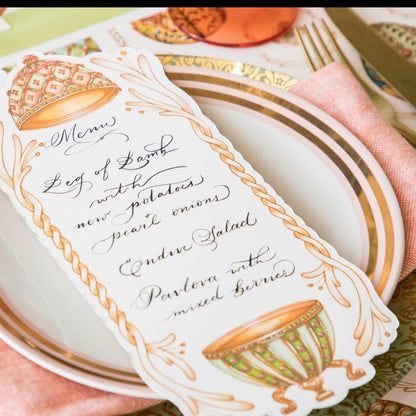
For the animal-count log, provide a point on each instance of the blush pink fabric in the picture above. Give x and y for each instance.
(27, 389)
(335, 90)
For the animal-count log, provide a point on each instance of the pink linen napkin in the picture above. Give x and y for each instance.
(335, 90)
(28, 389)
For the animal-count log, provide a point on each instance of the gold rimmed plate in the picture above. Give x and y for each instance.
(317, 166)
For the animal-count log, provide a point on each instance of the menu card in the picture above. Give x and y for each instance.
(227, 302)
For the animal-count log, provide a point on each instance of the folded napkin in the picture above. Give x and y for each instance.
(335, 90)
(28, 389)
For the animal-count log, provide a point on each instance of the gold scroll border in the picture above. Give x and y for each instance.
(279, 80)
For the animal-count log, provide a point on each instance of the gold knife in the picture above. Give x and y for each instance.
(392, 66)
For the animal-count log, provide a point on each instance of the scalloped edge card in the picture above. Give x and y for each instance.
(226, 301)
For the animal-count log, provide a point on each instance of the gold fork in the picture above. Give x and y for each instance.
(384, 107)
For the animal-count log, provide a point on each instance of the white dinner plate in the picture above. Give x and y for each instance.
(319, 168)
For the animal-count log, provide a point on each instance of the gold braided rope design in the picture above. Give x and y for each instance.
(21, 169)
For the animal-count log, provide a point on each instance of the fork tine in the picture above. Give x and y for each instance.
(308, 57)
(335, 45)
(322, 43)
(315, 49)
